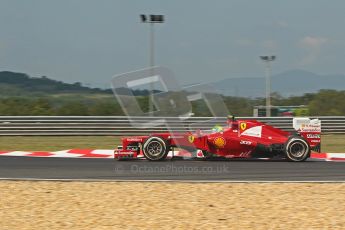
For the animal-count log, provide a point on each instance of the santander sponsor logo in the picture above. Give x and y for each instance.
(310, 128)
(134, 139)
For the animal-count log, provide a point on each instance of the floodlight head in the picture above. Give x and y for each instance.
(143, 18)
(268, 58)
(265, 58)
(156, 18)
(152, 18)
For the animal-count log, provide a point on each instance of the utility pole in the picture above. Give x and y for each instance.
(267, 60)
(152, 19)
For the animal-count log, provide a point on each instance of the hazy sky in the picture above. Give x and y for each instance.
(90, 41)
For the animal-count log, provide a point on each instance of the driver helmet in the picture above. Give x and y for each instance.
(217, 129)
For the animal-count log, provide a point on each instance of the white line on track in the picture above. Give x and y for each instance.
(173, 181)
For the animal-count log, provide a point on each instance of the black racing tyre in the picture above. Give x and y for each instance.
(155, 149)
(297, 149)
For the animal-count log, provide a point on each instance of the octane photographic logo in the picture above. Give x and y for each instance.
(170, 169)
(172, 101)
(119, 169)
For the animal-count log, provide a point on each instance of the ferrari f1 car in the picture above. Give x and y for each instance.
(237, 139)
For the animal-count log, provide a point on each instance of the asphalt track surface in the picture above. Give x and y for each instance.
(174, 170)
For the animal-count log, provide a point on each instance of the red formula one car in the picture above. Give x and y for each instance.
(238, 139)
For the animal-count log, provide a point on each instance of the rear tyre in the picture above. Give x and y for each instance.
(155, 149)
(297, 149)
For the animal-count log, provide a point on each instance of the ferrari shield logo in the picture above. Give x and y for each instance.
(191, 139)
(243, 126)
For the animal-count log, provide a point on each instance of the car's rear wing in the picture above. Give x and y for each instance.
(310, 129)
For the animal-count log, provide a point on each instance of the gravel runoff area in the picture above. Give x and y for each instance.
(160, 205)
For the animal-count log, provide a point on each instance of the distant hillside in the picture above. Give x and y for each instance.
(294, 82)
(21, 95)
(20, 84)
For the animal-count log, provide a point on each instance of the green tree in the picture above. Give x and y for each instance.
(108, 108)
(328, 103)
(41, 107)
(74, 108)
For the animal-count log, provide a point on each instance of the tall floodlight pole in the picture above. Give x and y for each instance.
(152, 19)
(267, 60)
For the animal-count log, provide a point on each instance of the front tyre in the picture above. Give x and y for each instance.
(297, 149)
(155, 149)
